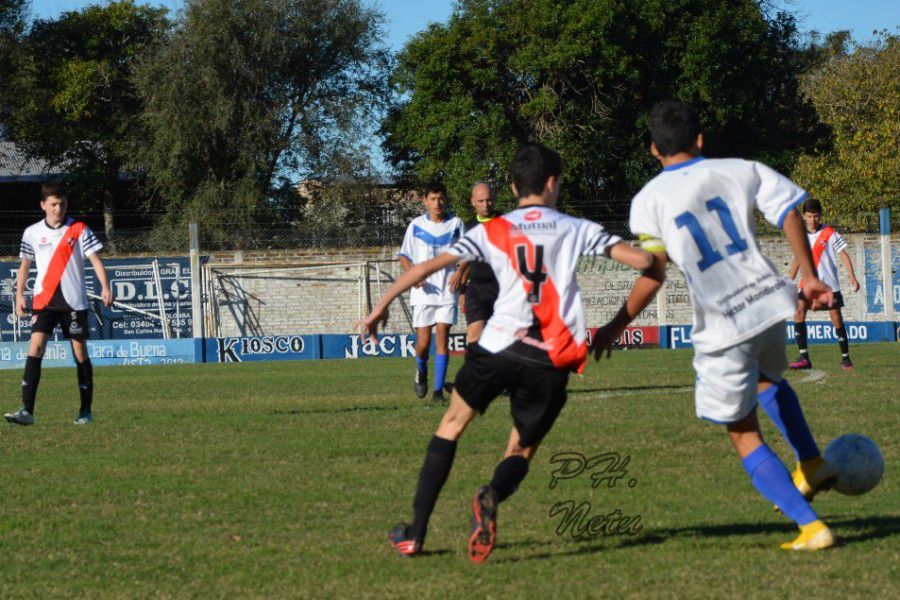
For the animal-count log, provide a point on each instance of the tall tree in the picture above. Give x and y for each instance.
(582, 75)
(12, 27)
(247, 98)
(73, 103)
(857, 94)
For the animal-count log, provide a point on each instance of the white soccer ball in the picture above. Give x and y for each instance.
(858, 462)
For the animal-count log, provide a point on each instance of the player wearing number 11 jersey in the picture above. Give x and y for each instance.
(699, 213)
(533, 339)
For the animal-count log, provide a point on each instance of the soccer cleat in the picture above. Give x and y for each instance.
(20, 417)
(438, 396)
(846, 363)
(801, 363)
(402, 543)
(484, 524)
(813, 476)
(420, 385)
(814, 536)
(84, 418)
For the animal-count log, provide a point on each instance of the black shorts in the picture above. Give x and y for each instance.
(480, 298)
(838, 301)
(536, 394)
(74, 323)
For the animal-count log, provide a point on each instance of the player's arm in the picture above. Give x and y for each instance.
(413, 275)
(628, 255)
(460, 278)
(795, 266)
(106, 294)
(642, 293)
(814, 289)
(406, 264)
(21, 279)
(854, 284)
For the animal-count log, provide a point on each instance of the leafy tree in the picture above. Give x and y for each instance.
(857, 94)
(12, 26)
(72, 102)
(582, 75)
(247, 98)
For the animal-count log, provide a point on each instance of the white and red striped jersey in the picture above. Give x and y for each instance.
(58, 254)
(534, 251)
(825, 244)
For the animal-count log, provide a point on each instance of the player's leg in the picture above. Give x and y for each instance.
(408, 539)
(536, 398)
(423, 321)
(473, 332)
(803, 362)
(85, 372)
(42, 325)
(771, 479)
(837, 319)
(441, 358)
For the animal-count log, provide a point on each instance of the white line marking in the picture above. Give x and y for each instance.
(814, 376)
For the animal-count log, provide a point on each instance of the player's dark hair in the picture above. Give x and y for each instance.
(533, 165)
(435, 188)
(812, 206)
(53, 188)
(674, 127)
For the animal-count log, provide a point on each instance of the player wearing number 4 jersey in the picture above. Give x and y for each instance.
(58, 246)
(699, 213)
(533, 339)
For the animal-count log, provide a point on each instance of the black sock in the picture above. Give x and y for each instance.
(435, 469)
(30, 382)
(842, 341)
(508, 475)
(800, 334)
(85, 384)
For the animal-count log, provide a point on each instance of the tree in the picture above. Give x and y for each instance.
(857, 94)
(12, 26)
(247, 98)
(582, 75)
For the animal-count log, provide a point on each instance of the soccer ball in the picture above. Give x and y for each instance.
(858, 462)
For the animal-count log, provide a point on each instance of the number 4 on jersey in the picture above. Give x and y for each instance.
(710, 255)
(534, 274)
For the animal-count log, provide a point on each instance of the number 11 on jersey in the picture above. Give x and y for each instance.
(710, 255)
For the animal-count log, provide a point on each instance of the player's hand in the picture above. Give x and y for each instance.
(369, 326)
(106, 296)
(603, 342)
(819, 295)
(455, 281)
(21, 308)
(854, 284)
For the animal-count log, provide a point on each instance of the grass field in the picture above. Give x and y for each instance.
(281, 479)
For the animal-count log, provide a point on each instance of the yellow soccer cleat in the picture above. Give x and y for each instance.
(814, 536)
(813, 476)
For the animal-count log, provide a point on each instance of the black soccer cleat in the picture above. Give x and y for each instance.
(438, 396)
(484, 524)
(420, 384)
(400, 541)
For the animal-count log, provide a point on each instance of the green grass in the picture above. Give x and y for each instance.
(281, 479)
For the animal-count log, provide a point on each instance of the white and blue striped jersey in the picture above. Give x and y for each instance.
(424, 240)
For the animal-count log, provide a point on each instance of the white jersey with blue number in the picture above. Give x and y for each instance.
(424, 240)
(703, 211)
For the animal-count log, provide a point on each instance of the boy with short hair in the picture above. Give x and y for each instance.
(826, 244)
(433, 302)
(58, 245)
(531, 342)
(699, 213)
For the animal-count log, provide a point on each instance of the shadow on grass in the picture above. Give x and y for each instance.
(631, 388)
(848, 531)
(335, 411)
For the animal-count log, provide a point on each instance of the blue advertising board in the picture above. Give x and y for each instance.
(107, 353)
(269, 347)
(874, 282)
(679, 336)
(133, 284)
(393, 344)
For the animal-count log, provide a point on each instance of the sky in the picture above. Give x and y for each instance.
(406, 17)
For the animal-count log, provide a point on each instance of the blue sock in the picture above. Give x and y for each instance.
(773, 481)
(422, 365)
(440, 370)
(781, 404)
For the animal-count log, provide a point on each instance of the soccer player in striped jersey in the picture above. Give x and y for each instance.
(699, 213)
(826, 244)
(434, 300)
(533, 340)
(58, 246)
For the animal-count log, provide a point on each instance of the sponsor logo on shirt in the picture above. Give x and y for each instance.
(532, 215)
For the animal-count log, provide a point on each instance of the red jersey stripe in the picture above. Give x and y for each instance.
(57, 265)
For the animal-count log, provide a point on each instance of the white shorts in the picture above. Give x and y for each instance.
(726, 388)
(426, 315)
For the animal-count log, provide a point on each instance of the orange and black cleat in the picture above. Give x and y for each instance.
(484, 524)
(402, 543)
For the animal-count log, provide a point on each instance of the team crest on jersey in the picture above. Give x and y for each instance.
(43, 241)
(532, 215)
